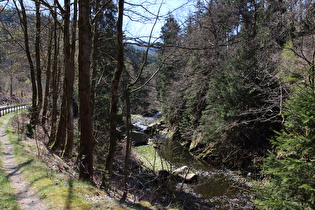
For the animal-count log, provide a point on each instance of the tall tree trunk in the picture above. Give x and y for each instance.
(11, 86)
(23, 21)
(48, 75)
(94, 54)
(114, 90)
(65, 126)
(38, 63)
(60, 140)
(55, 84)
(128, 141)
(86, 140)
(70, 82)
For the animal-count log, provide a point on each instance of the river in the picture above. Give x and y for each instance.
(220, 188)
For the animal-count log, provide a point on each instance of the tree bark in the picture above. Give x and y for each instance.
(24, 25)
(38, 61)
(114, 90)
(48, 75)
(86, 140)
(128, 141)
(55, 84)
(70, 74)
(94, 54)
(60, 140)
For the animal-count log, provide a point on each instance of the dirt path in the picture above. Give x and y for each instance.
(26, 197)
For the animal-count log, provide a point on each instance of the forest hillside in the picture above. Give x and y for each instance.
(232, 84)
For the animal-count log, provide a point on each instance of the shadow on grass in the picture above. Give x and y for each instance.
(70, 194)
(7, 195)
(16, 169)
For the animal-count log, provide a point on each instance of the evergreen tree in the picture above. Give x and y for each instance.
(243, 94)
(170, 37)
(170, 32)
(243, 108)
(104, 57)
(290, 169)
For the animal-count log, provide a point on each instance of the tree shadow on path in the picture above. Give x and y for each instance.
(17, 168)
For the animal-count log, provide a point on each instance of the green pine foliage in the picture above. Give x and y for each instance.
(169, 36)
(290, 168)
(242, 108)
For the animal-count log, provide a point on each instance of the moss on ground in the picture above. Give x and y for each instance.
(151, 159)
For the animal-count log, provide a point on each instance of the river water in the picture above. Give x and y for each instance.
(220, 188)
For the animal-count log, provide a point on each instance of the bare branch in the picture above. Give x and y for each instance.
(154, 74)
(147, 50)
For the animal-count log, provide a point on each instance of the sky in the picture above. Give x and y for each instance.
(140, 15)
(137, 25)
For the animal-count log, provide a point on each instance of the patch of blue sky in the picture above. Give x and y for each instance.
(142, 15)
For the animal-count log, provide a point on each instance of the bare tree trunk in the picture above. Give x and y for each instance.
(11, 85)
(55, 85)
(61, 136)
(48, 76)
(70, 74)
(114, 90)
(94, 54)
(38, 63)
(60, 140)
(64, 138)
(24, 25)
(128, 141)
(86, 139)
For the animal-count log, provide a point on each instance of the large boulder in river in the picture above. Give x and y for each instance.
(139, 138)
(185, 174)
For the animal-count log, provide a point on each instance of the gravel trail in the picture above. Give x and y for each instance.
(26, 197)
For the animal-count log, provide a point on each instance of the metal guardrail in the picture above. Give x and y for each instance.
(11, 108)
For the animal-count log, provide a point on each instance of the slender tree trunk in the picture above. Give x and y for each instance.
(55, 85)
(114, 90)
(70, 82)
(86, 140)
(128, 141)
(61, 136)
(94, 54)
(65, 126)
(11, 86)
(23, 20)
(38, 63)
(48, 78)
(60, 140)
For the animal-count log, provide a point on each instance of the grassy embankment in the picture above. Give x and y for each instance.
(57, 190)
